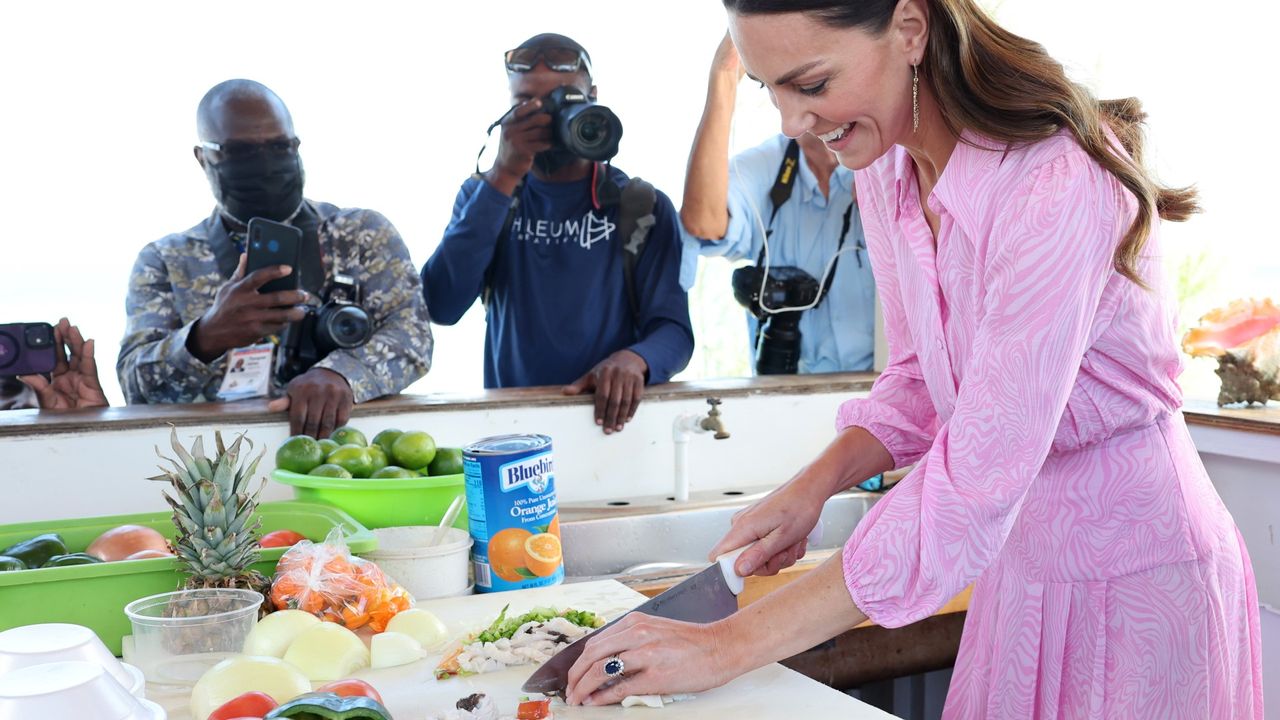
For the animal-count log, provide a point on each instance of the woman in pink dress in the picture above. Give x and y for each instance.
(1031, 381)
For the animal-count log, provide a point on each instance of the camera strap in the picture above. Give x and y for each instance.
(783, 186)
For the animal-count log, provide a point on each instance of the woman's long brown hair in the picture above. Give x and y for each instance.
(1010, 89)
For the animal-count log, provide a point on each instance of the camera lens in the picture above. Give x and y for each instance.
(590, 131)
(39, 335)
(8, 350)
(345, 327)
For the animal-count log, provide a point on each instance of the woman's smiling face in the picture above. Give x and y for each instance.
(848, 87)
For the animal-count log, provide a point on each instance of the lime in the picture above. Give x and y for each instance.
(378, 456)
(347, 435)
(386, 438)
(448, 461)
(414, 449)
(299, 454)
(330, 470)
(354, 459)
(393, 471)
(327, 446)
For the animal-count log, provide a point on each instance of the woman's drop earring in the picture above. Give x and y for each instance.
(915, 99)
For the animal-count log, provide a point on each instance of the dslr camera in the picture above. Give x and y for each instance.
(580, 126)
(340, 323)
(778, 335)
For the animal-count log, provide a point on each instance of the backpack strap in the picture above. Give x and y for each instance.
(635, 219)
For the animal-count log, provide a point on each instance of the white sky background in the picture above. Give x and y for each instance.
(391, 100)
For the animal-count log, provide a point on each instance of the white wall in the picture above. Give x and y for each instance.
(103, 473)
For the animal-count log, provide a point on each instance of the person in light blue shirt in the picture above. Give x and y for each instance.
(727, 212)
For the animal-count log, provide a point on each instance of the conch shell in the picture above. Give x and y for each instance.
(1245, 337)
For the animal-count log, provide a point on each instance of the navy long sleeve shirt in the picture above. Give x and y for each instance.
(558, 300)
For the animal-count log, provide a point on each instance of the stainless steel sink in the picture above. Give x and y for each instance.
(657, 538)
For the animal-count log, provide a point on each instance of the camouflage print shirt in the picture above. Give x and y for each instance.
(176, 278)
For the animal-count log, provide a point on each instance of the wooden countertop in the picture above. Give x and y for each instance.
(1264, 419)
(27, 422)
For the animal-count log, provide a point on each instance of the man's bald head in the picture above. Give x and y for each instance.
(242, 110)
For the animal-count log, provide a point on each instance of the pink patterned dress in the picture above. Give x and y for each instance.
(1034, 388)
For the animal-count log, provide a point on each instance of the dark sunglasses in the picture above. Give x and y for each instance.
(235, 149)
(559, 59)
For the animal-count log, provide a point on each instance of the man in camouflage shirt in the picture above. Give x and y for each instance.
(190, 302)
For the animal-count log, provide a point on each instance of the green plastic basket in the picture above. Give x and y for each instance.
(95, 595)
(382, 502)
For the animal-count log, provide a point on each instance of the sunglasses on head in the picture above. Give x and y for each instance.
(559, 59)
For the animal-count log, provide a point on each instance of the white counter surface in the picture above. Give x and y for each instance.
(412, 692)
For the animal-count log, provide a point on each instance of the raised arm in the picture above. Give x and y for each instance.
(705, 209)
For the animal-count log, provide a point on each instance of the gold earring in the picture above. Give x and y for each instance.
(915, 99)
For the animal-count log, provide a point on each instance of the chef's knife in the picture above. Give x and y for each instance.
(709, 596)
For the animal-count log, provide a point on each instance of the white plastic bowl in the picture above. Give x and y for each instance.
(74, 689)
(30, 645)
(425, 571)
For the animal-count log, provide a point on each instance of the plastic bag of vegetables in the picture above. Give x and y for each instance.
(326, 580)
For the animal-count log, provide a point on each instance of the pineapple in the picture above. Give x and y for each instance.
(214, 511)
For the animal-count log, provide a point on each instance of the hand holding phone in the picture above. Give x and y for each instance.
(243, 312)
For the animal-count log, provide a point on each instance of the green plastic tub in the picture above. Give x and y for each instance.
(382, 502)
(95, 595)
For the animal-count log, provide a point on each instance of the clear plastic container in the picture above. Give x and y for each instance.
(177, 636)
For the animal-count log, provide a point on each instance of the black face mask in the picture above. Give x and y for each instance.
(548, 162)
(265, 185)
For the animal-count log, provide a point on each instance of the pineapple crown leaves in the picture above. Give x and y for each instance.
(213, 507)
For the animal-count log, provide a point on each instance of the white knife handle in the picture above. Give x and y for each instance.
(727, 561)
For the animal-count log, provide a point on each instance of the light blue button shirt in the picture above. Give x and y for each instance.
(838, 335)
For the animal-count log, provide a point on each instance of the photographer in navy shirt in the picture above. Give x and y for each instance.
(560, 309)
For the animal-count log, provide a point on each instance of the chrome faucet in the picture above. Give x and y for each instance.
(684, 427)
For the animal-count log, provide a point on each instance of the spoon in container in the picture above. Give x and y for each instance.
(446, 522)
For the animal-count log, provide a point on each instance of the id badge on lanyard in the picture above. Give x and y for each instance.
(248, 372)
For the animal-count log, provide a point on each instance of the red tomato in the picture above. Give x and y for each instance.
(352, 688)
(250, 704)
(534, 710)
(281, 538)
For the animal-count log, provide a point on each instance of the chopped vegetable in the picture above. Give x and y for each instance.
(391, 649)
(273, 634)
(533, 709)
(251, 704)
(420, 625)
(352, 688)
(504, 627)
(325, 580)
(236, 676)
(326, 652)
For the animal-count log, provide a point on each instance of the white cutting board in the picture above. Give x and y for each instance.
(411, 692)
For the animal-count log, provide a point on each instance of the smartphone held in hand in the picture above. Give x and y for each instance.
(271, 244)
(27, 348)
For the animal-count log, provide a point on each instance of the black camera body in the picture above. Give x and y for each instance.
(581, 126)
(340, 323)
(778, 340)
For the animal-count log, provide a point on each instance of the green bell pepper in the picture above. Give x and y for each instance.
(330, 706)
